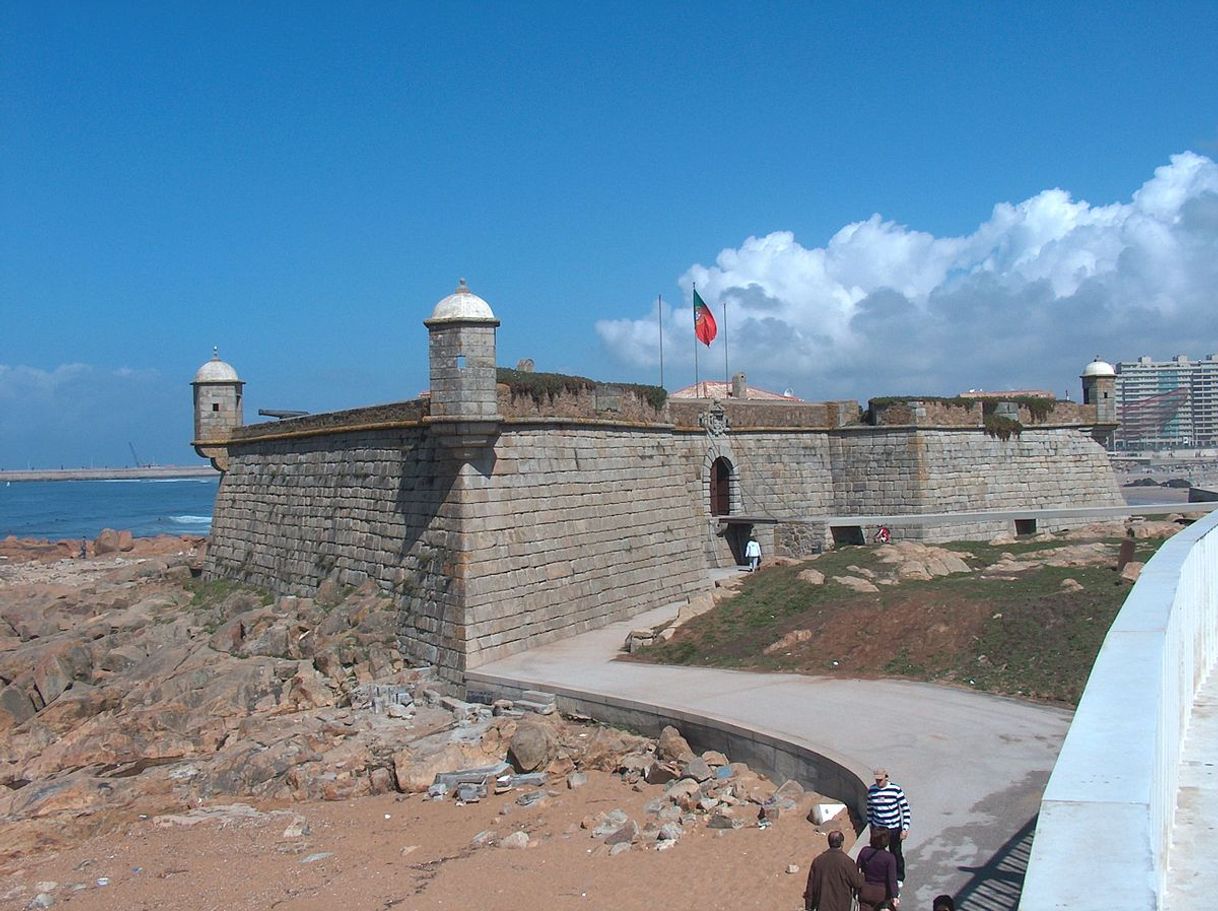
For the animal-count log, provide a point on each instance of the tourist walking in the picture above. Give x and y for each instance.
(834, 880)
(888, 809)
(752, 553)
(879, 869)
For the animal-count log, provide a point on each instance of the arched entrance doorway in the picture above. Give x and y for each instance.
(721, 487)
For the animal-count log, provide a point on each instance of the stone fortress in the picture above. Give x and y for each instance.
(507, 509)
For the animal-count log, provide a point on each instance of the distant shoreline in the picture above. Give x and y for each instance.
(109, 474)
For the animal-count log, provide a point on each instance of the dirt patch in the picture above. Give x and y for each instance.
(410, 852)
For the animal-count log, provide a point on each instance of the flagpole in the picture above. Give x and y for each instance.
(694, 310)
(660, 318)
(727, 377)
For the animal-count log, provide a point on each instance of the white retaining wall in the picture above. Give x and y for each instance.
(1105, 822)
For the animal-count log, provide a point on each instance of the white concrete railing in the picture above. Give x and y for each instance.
(1105, 822)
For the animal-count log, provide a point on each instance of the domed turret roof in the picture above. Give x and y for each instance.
(462, 304)
(216, 371)
(1099, 368)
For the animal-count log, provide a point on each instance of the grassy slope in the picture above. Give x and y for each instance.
(1023, 636)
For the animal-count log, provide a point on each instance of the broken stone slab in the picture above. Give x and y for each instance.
(639, 639)
(298, 828)
(461, 710)
(670, 831)
(623, 835)
(529, 798)
(661, 773)
(478, 775)
(471, 792)
(724, 818)
(576, 780)
(697, 769)
(609, 822)
(538, 701)
(686, 787)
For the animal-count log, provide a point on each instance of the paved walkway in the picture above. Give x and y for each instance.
(1192, 880)
(973, 765)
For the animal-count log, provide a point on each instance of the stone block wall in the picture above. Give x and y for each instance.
(560, 527)
(217, 409)
(763, 413)
(927, 413)
(352, 507)
(571, 528)
(462, 361)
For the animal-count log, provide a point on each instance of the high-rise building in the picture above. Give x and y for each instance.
(1167, 404)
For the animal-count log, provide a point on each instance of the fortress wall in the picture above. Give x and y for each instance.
(931, 471)
(877, 470)
(351, 507)
(573, 528)
(777, 474)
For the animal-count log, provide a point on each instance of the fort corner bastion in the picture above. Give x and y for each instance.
(506, 509)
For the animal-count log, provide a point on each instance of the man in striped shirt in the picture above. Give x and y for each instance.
(888, 809)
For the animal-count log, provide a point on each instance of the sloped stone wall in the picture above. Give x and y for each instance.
(348, 507)
(573, 528)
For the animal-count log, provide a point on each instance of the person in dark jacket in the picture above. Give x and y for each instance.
(834, 880)
(879, 869)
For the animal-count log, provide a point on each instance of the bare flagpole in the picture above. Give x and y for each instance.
(697, 394)
(727, 377)
(660, 317)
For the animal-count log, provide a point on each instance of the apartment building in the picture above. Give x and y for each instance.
(1167, 404)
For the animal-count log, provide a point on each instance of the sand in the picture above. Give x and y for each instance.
(414, 853)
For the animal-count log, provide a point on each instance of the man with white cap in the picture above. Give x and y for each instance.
(888, 809)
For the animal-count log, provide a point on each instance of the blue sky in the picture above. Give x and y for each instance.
(887, 200)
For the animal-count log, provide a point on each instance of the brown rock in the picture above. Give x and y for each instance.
(811, 576)
(106, 543)
(789, 641)
(15, 707)
(533, 746)
(672, 747)
(854, 583)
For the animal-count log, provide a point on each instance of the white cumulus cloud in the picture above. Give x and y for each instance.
(1023, 301)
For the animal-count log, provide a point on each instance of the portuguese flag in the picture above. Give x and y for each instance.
(704, 323)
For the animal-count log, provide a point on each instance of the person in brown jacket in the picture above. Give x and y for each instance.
(834, 879)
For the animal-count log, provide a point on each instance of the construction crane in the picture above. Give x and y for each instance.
(138, 464)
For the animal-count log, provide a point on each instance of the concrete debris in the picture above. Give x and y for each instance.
(823, 812)
(538, 701)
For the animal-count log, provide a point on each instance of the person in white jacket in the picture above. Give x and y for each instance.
(752, 553)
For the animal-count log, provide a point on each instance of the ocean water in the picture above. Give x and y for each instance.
(81, 509)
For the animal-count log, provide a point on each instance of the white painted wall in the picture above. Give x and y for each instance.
(1105, 822)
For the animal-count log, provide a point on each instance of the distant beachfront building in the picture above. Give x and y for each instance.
(1167, 404)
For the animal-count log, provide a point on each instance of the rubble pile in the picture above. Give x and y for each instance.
(692, 791)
